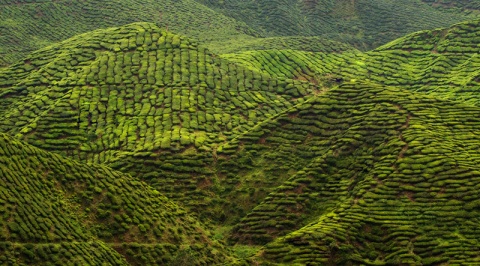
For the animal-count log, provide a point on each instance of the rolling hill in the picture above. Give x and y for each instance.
(228, 26)
(140, 94)
(365, 24)
(58, 211)
(292, 157)
(442, 62)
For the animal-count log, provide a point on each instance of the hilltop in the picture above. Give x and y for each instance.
(327, 157)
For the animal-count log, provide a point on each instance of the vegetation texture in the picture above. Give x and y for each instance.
(136, 145)
(28, 25)
(364, 24)
(58, 211)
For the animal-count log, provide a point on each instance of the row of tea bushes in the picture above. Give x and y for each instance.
(409, 198)
(47, 199)
(442, 63)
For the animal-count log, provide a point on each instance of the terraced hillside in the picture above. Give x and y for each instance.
(443, 63)
(334, 157)
(392, 179)
(143, 101)
(28, 25)
(365, 24)
(58, 211)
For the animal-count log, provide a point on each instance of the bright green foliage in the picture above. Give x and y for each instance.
(61, 211)
(327, 157)
(443, 63)
(142, 100)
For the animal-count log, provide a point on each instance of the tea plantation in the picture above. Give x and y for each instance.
(56, 211)
(365, 24)
(28, 25)
(443, 63)
(137, 145)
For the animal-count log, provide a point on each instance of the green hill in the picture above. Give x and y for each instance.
(365, 24)
(443, 63)
(55, 210)
(293, 157)
(143, 101)
(28, 25)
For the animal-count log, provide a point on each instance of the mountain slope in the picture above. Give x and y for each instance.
(364, 24)
(143, 101)
(26, 26)
(55, 210)
(392, 179)
(443, 63)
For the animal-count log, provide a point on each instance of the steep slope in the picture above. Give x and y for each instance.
(392, 179)
(28, 25)
(55, 210)
(141, 100)
(364, 24)
(443, 63)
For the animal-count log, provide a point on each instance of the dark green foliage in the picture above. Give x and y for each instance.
(365, 24)
(320, 157)
(28, 25)
(228, 25)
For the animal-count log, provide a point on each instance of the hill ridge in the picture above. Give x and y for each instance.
(293, 157)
